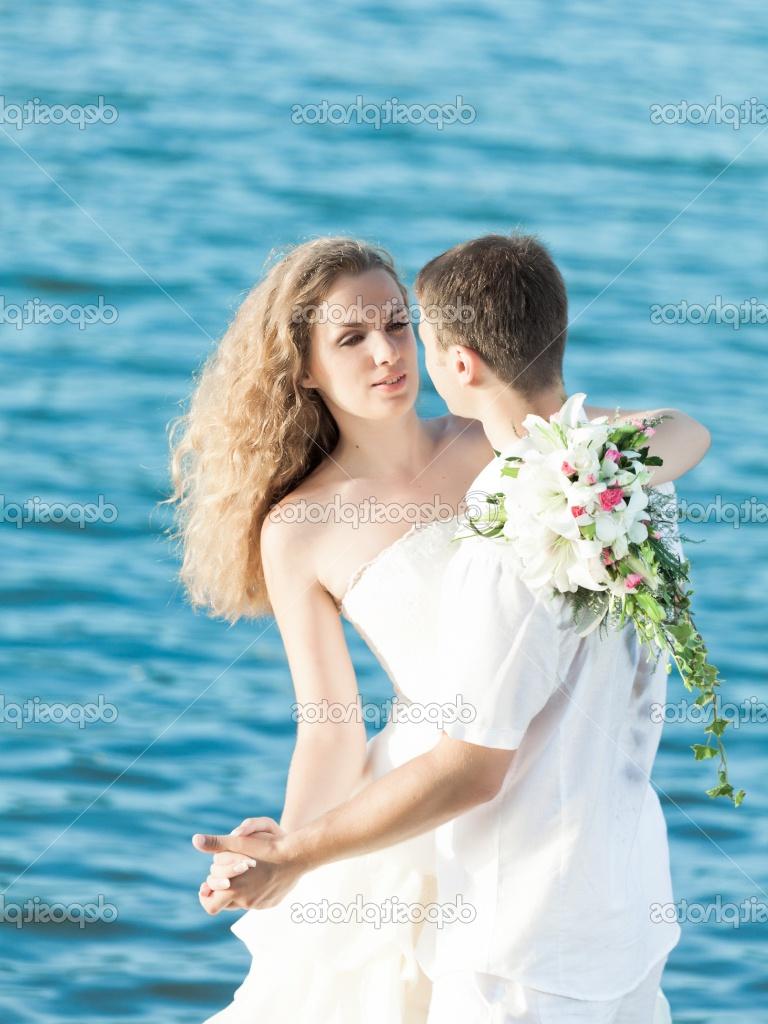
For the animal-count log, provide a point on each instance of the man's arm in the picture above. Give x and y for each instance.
(418, 796)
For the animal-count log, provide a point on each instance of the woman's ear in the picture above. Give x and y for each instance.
(308, 381)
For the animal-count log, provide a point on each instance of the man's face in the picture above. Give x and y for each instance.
(440, 368)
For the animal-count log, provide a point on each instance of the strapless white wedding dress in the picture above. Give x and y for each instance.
(346, 970)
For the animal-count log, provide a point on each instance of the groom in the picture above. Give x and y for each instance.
(547, 823)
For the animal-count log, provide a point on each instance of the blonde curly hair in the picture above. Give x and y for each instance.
(252, 431)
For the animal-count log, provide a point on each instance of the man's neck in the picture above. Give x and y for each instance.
(502, 411)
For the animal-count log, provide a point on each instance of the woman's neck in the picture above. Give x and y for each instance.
(384, 449)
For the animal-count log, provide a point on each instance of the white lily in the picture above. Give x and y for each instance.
(551, 559)
(549, 434)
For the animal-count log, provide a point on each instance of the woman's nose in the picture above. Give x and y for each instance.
(384, 348)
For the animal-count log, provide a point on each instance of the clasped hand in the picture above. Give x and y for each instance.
(251, 869)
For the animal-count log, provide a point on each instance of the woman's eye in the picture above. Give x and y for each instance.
(399, 325)
(351, 340)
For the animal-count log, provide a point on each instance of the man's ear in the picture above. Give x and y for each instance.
(467, 364)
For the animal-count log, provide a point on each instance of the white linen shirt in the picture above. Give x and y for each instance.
(563, 867)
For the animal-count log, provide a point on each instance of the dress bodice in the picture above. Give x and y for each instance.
(392, 603)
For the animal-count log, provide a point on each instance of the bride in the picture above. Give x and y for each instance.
(301, 426)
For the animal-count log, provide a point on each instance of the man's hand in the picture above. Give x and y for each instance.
(451, 778)
(251, 868)
(247, 827)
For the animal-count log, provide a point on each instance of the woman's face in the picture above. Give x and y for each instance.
(361, 340)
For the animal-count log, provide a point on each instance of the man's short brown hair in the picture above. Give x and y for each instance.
(518, 301)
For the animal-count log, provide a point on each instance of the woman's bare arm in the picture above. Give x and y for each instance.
(680, 441)
(329, 756)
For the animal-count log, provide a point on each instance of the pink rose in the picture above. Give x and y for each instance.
(591, 479)
(632, 580)
(610, 498)
(577, 510)
(606, 556)
(568, 469)
(613, 454)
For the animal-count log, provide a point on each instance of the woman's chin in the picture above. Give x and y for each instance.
(383, 402)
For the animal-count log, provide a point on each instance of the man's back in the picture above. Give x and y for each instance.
(564, 865)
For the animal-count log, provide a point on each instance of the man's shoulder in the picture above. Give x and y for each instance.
(487, 480)
(490, 474)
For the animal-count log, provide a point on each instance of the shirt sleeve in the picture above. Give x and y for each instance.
(499, 646)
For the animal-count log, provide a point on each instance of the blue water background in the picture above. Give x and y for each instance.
(168, 214)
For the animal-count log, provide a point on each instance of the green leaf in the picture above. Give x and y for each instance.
(724, 790)
(650, 606)
(703, 699)
(681, 633)
(702, 752)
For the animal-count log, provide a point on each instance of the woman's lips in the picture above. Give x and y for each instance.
(397, 382)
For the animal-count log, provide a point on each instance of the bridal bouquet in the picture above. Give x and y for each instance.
(576, 504)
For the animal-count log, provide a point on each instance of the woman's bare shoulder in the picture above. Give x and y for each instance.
(285, 534)
(291, 525)
(301, 517)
